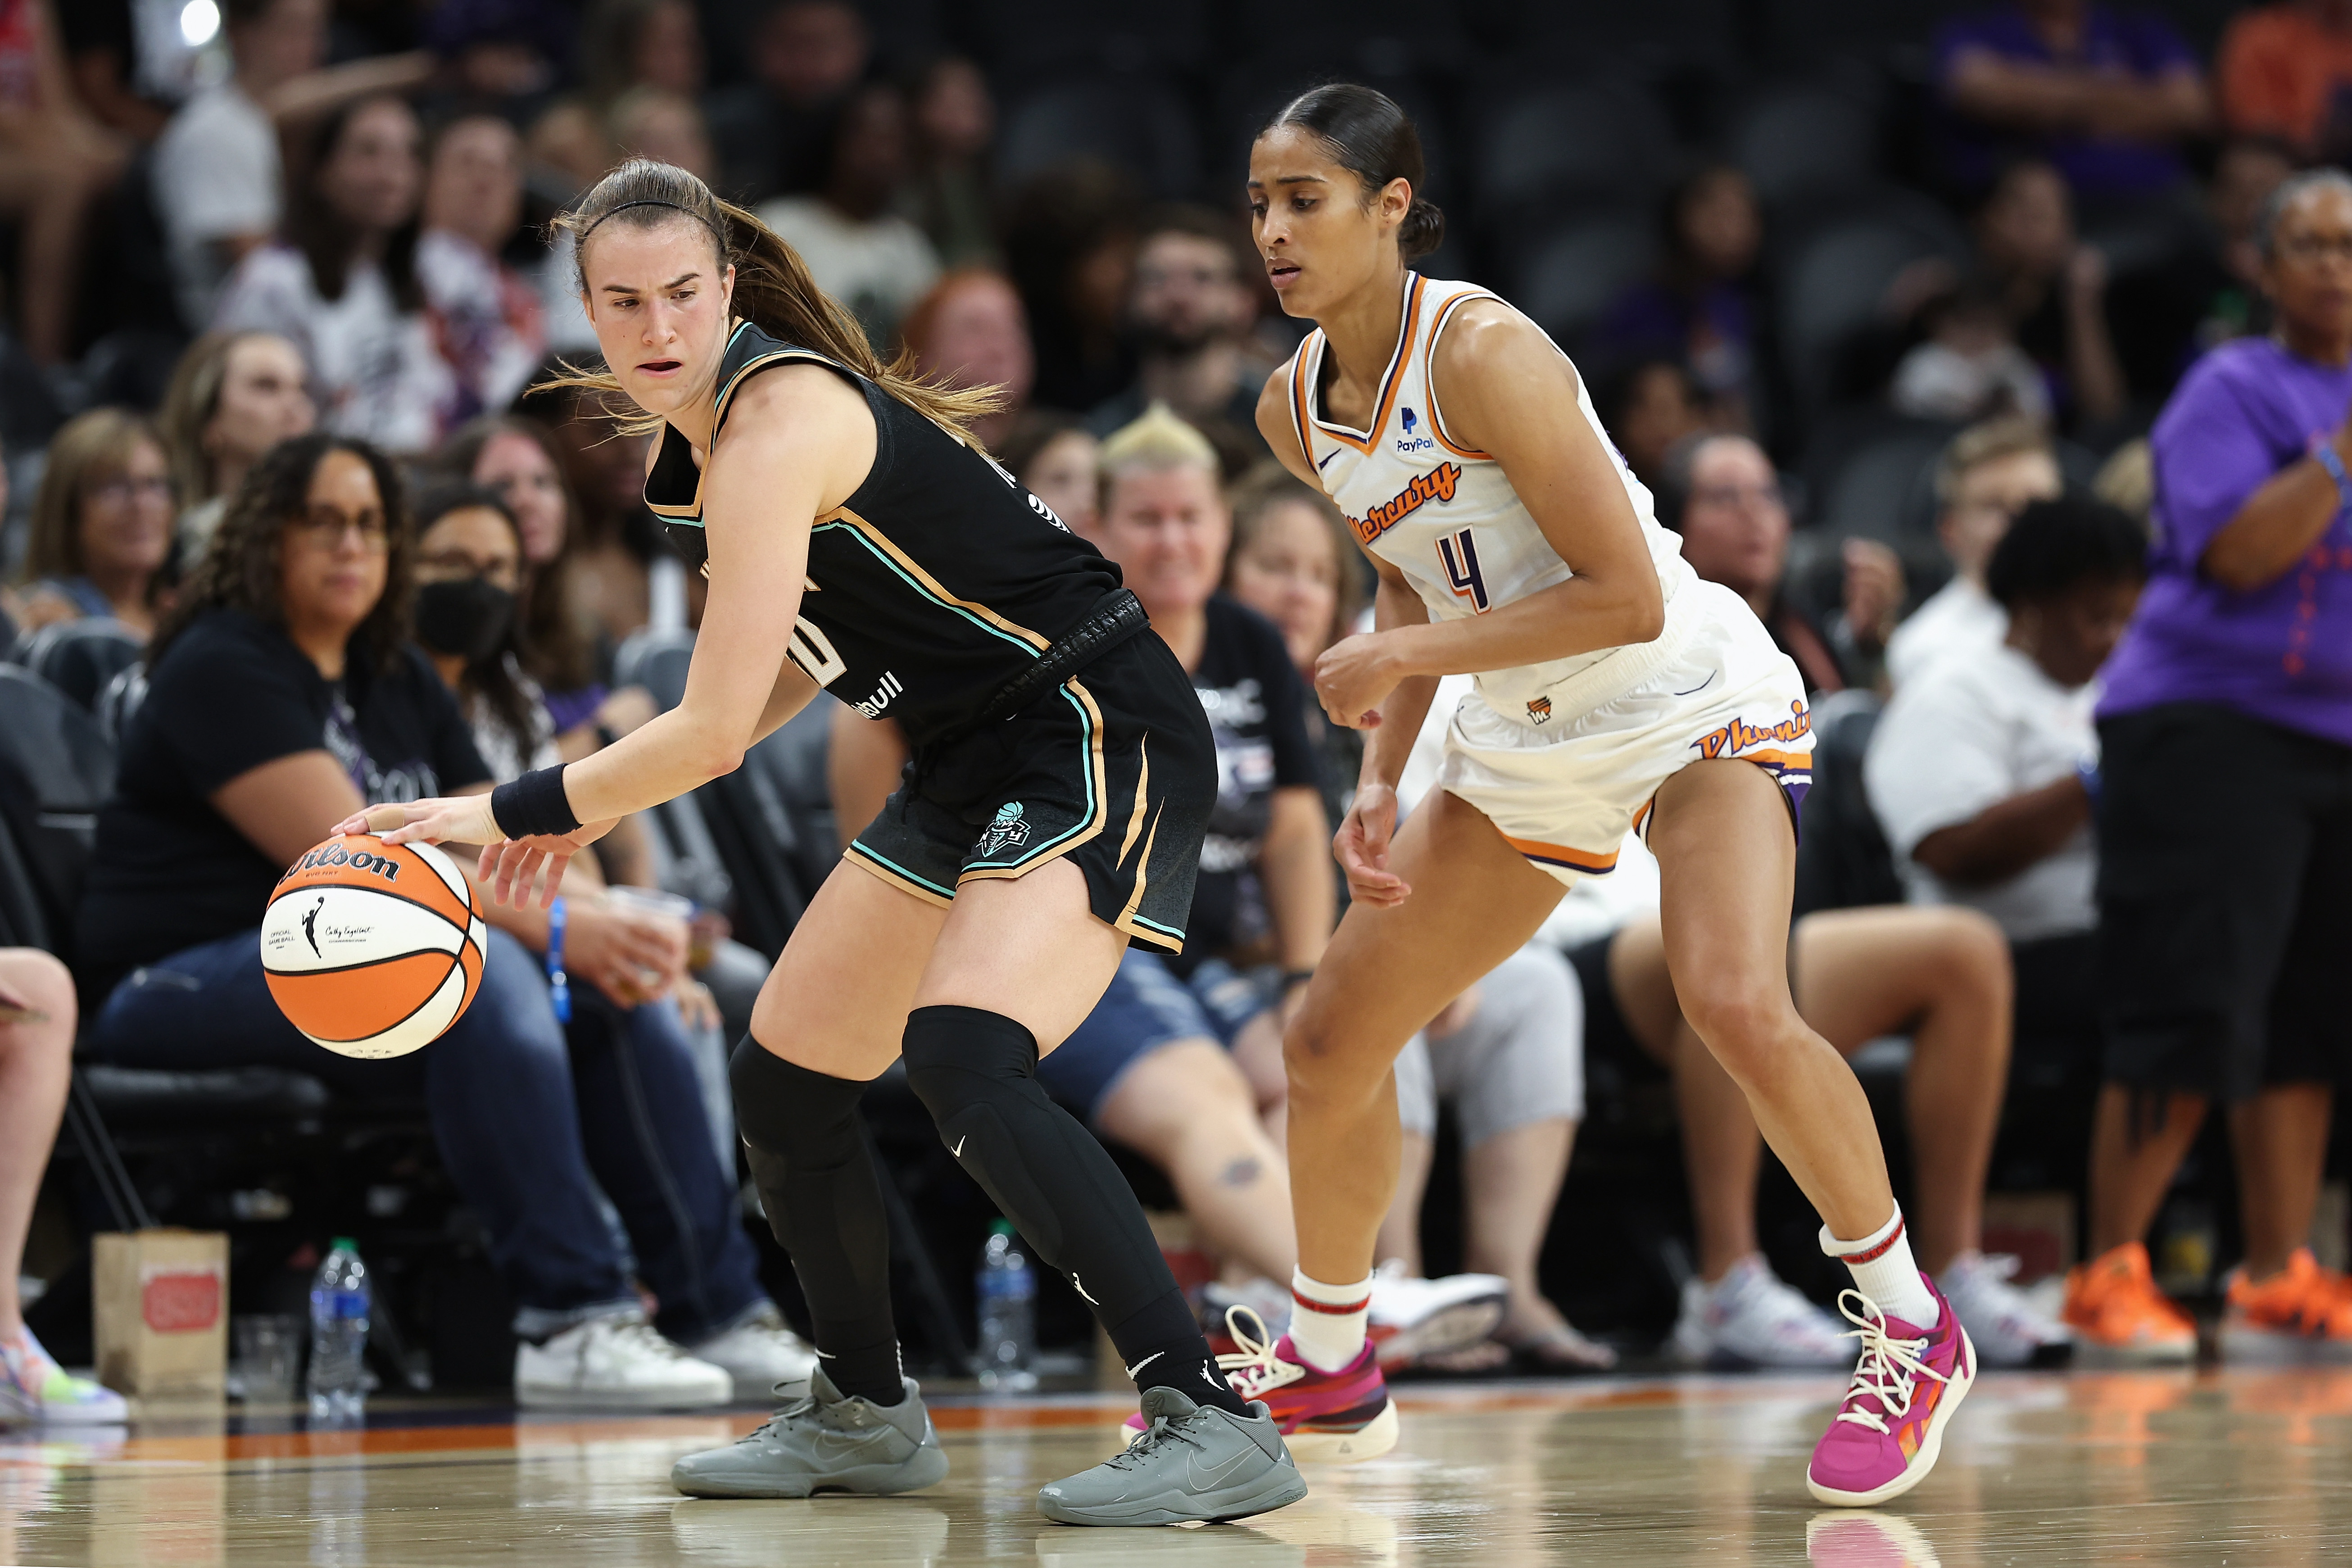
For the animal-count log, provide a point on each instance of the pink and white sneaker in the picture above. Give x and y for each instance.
(1327, 1417)
(1886, 1436)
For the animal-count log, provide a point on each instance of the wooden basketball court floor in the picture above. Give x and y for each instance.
(2235, 1467)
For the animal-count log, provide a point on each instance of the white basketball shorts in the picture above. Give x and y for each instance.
(1566, 790)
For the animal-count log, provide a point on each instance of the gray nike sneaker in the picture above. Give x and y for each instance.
(1192, 1463)
(824, 1442)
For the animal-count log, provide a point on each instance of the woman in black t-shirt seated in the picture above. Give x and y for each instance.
(283, 695)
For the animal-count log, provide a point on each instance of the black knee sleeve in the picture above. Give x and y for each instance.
(810, 1158)
(976, 1071)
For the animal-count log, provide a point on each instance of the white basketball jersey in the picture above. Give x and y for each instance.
(1444, 515)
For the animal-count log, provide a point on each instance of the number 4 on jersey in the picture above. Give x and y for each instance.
(1460, 554)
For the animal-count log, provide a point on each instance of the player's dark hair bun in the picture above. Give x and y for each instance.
(1375, 141)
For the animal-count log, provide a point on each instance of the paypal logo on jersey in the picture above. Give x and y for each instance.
(1411, 441)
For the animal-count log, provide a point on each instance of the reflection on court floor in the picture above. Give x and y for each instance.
(2242, 1467)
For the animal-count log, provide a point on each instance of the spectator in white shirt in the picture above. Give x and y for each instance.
(217, 179)
(859, 250)
(342, 286)
(1987, 472)
(1980, 770)
(487, 319)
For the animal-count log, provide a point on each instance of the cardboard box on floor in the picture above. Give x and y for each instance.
(160, 1305)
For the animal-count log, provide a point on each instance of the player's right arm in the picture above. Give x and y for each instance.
(1274, 423)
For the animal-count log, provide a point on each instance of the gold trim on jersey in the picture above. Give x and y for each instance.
(1429, 373)
(930, 585)
(692, 511)
(1391, 383)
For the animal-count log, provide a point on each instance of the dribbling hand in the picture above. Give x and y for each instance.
(509, 866)
(1363, 848)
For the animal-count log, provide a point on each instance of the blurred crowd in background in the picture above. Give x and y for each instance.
(1854, 284)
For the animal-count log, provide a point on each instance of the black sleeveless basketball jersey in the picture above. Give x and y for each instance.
(936, 583)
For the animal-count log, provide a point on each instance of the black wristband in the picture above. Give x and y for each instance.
(534, 805)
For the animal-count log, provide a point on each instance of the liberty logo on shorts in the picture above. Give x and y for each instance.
(1007, 830)
(1538, 710)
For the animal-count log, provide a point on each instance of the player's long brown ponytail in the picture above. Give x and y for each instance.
(773, 290)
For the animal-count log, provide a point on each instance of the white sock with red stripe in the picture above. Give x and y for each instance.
(1327, 1321)
(1884, 1271)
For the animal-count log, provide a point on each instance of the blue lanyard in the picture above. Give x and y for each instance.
(559, 986)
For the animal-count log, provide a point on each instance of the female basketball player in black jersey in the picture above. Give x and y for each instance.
(855, 539)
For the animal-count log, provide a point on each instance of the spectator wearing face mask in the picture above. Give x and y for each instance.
(1985, 476)
(233, 397)
(342, 284)
(1189, 310)
(283, 696)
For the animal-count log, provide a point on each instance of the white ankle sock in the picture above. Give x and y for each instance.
(1885, 1271)
(1327, 1321)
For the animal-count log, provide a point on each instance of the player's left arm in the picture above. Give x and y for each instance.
(799, 442)
(1507, 391)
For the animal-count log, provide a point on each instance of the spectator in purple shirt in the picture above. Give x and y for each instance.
(1700, 307)
(2225, 819)
(2106, 95)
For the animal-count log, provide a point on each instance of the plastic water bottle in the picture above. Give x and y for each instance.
(339, 1329)
(1007, 1290)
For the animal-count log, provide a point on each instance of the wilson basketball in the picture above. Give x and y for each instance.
(372, 949)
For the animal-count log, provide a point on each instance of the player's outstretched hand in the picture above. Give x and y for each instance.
(1363, 848)
(508, 866)
(1353, 678)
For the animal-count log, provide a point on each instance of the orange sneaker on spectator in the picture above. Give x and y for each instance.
(2303, 1313)
(2113, 1303)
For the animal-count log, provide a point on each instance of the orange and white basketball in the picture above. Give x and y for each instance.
(372, 949)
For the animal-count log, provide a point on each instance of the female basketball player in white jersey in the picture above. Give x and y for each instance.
(1615, 690)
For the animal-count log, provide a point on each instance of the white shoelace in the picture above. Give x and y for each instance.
(1254, 1369)
(1889, 1368)
(641, 1339)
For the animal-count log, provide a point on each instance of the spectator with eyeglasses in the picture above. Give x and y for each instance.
(1721, 494)
(283, 696)
(1189, 310)
(2224, 816)
(103, 523)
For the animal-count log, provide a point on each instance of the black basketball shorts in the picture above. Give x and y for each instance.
(1114, 768)
(2225, 902)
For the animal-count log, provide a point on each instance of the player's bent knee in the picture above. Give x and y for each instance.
(1741, 1025)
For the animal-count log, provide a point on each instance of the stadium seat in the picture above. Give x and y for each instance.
(1884, 488)
(1590, 142)
(80, 658)
(1801, 141)
(1136, 124)
(55, 770)
(1835, 271)
(1567, 279)
(1842, 859)
(1021, 39)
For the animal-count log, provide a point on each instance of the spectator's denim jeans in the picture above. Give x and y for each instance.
(531, 1117)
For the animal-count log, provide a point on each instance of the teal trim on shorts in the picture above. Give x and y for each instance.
(1093, 807)
(879, 859)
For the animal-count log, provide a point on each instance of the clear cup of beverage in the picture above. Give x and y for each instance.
(269, 1356)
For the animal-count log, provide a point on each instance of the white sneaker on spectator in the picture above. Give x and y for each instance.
(616, 1363)
(762, 1354)
(1753, 1317)
(1414, 1318)
(1269, 1299)
(2001, 1322)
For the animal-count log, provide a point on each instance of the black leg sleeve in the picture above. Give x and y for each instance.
(814, 1168)
(976, 1072)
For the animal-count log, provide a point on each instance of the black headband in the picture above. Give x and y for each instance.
(650, 202)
